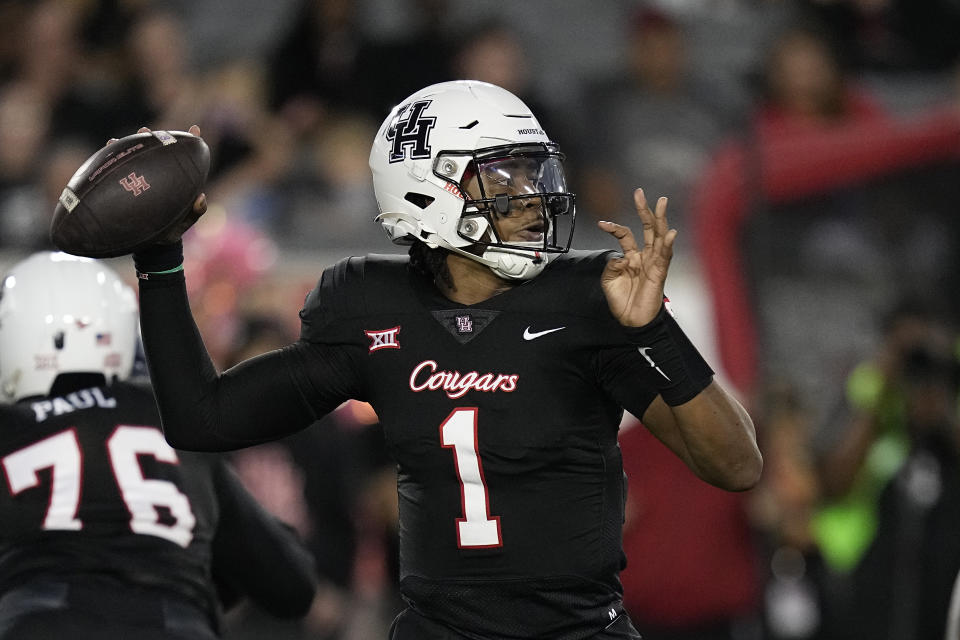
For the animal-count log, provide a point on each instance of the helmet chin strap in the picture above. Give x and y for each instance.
(510, 264)
(514, 264)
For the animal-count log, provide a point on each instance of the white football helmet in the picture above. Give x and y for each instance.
(452, 157)
(63, 314)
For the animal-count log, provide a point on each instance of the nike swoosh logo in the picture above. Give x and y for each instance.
(643, 352)
(533, 335)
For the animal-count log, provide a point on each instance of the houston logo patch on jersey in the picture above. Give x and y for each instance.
(383, 339)
(464, 326)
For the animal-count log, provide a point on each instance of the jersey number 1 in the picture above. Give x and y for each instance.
(476, 529)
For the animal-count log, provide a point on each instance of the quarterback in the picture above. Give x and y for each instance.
(499, 363)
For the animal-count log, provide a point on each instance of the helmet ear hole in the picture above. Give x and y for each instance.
(419, 199)
(473, 227)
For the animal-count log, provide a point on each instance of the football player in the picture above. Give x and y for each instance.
(105, 530)
(498, 361)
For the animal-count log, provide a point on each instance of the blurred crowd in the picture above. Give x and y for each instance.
(770, 124)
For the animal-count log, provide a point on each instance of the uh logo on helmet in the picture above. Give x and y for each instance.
(440, 135)
(409, 131)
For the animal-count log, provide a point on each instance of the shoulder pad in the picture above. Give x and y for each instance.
(352, 288)
(14, 417)
(572, 280)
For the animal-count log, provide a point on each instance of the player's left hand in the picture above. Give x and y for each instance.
(633, 284)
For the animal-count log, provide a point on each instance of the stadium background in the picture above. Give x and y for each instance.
(793, 246)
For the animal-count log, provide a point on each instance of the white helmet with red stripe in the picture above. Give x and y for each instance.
(453, 133)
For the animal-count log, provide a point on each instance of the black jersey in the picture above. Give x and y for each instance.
(94, 489)
(503, 420)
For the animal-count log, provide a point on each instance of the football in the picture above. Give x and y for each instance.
(130, 194)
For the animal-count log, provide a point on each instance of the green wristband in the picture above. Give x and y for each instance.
(149, 275)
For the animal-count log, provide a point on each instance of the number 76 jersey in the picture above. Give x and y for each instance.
(502, 418)
(92, 487)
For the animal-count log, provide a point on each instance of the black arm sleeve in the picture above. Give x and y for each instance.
(683, 373)
(256, 401)
(625, 376)
(257, 556)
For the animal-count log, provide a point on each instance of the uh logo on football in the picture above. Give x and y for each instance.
(134, 184)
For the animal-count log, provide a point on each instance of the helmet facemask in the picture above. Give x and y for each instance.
(516, 208)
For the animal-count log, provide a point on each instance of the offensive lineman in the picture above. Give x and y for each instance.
(105, 531)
